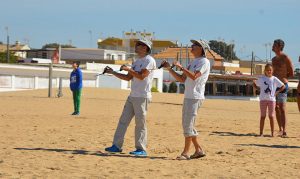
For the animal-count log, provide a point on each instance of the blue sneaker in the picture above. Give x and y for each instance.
(113, 148)
(139, 152)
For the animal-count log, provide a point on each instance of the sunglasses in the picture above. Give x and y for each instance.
(139, 44)
(195, 45)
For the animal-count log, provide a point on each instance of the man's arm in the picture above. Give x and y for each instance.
(190, 74)
(139, 75)
(121, 76)
(280, 90)
(290, 69)
(255, 85)
(178, 77)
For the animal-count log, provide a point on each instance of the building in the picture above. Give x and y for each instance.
(256, 66)
(82, 55)
(127, 42)
(18, 49)
(184, 56)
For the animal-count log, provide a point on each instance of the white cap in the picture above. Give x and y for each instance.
(147, 42)
(201, 43)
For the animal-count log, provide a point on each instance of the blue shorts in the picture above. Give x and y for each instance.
(282, 96)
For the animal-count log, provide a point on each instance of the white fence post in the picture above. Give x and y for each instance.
(97, 81)
(36, 82)
(13, 77)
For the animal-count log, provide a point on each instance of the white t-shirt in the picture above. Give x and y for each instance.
(142, 88)
(194, 89)
(268, 87)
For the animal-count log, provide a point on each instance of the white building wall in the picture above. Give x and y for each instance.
(227, 64)
(118, 55)
(32, 77)
(109, 81)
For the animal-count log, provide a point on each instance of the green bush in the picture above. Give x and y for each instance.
(165, 88)
(173, 88)
(154, 89)
(12, 58)
(291, 99)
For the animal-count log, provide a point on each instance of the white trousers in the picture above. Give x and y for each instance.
(189, 114)
(137, 107)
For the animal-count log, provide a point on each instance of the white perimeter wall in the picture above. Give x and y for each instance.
(32, 77)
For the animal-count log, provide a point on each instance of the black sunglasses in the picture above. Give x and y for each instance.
(139, 43)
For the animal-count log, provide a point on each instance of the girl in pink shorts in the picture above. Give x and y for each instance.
(268, 84)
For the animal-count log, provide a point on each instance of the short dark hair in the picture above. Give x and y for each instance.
(77, 63)
(268, 65)
(280, 43)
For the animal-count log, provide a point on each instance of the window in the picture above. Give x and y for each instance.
(119, 57)
(44, 55)
(154, 82)
(108, 56)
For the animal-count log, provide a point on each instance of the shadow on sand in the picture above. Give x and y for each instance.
(232, 134)
(271, 146)
(96, 153)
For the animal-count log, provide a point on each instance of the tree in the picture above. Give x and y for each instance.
(165, 88)
(223, 49)
(12, 58)
(56, 45)
(1, 42)
(173, 87)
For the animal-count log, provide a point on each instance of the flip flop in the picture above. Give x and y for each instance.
(198, 155)
(183, 157)
(284, 135)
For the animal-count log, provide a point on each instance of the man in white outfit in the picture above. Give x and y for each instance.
(137, 102)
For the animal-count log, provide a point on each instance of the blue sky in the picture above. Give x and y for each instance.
(249, 24)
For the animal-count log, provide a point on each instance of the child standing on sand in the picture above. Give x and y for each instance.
(268, 85)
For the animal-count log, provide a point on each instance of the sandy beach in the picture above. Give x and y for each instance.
(40, 139)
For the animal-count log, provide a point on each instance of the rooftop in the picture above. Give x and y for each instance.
(172, 52)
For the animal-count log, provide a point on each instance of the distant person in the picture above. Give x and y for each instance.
(76, 86)
(141, 75)
(283, 69)
(194, 78)
(268, 85)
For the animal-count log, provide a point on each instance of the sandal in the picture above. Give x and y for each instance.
(183, 157)
(284, 135)
(198, 155)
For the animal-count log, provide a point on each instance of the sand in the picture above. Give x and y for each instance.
(40, 139)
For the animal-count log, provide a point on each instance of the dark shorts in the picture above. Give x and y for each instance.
(282, 96)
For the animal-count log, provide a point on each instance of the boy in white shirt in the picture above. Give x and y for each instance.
(194, 78)
(268, 85)
(137, 102)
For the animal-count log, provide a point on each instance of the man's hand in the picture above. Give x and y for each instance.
(166, 65)
(125, 68)
(108, 70)
(177, 64)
